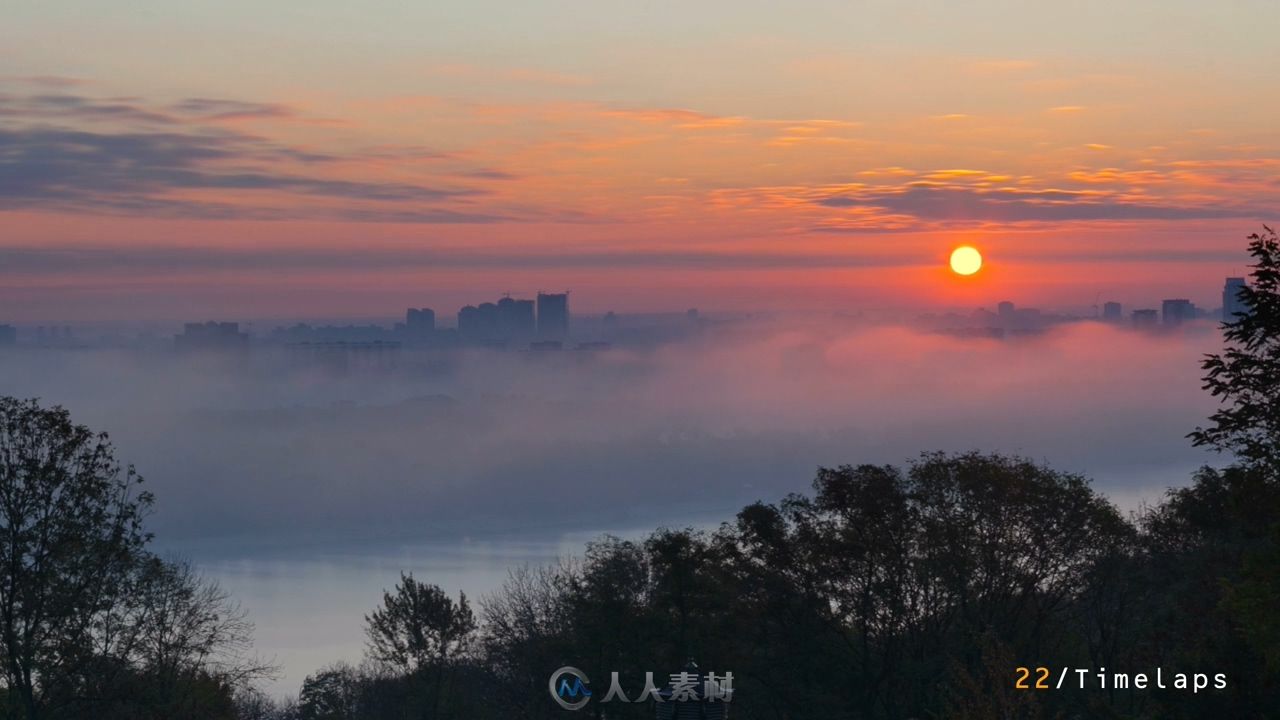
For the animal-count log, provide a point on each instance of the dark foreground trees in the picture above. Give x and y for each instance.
(91, 624)
(928, 573)
(70, 535)
(420, 634)
(889, 593)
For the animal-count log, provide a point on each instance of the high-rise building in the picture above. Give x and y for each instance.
(487, 316)
(1232, 304)
(1145, 318)
(501, 322)
(8, 335)
(419, 322)
(1006, 310)
(469, 321)
(553, 315)
(478, 322)
(1177, 311)
(515, 318)
(1112, 312)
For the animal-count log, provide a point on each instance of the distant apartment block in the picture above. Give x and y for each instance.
(1177, 311)
(8, 335)
(553, 315)
(420, 322)
(478, 322)
(1112, 312)
(516, 319)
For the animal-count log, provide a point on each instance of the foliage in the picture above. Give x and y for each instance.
(331, 694)
(1246, 376)
(70, 533)
(422, 633)
(893, 593)
(419, 626)
(91, 623)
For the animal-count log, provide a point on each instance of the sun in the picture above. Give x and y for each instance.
(966, 260)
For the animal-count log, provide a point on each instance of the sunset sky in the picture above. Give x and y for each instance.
(240, 160)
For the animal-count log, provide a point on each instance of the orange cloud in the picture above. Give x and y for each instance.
(1116, 176)
(957, 173)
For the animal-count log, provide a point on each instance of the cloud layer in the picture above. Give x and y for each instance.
(64, 149)
(122, 156)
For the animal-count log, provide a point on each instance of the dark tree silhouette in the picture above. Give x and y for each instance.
(70, 535)
(92, 625)
(419, 626)
(523, 633)
(175, 626)
(1246, 376)
(421, 631)
(331, 694)
(889, 593)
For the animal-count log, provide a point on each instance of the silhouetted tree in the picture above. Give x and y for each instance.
(70, 535)
(181, 626)
(1255, 600)
(331, 694)
(911, 574)
(253, 704)
(525, 631)
(891, 593)
(421, 631)
(91, 624)
(1196, 547)
(1246, 376)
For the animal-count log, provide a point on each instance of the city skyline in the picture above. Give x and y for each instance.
(1099, 307)
(515, 316)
